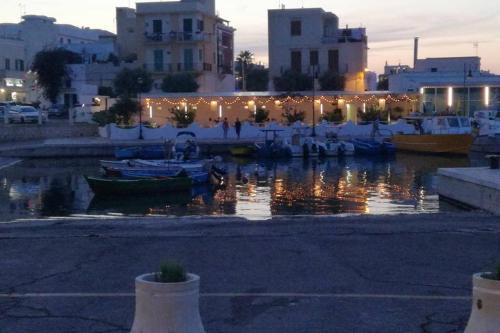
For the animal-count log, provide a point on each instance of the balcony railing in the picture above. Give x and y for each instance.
(169, 68)
(175, 36)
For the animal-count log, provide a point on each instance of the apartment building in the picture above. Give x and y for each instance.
(307, 38)
(20, 42)
(179, 36)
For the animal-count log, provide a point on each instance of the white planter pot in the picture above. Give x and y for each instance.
(485, 317)
(167, 307)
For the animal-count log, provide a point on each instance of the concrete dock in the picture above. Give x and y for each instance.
(474, 187)
(407, 274)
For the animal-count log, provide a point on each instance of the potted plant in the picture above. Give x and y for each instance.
(167, 301)
(485, 316)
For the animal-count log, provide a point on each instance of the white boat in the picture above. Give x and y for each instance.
(332, 147)
(488, 122)
(185, 146)
(301, 145)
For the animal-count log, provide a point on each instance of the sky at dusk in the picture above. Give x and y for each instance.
(446, 28)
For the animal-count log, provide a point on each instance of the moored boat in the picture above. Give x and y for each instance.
(242, 151)
(153, 152)
(185, 146)
(122, 186)
(437, 135)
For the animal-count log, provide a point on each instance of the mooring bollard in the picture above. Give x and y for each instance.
(494, 161)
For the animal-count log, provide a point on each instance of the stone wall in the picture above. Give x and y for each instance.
(32, 132)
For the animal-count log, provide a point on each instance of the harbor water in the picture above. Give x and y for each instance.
(404, 183)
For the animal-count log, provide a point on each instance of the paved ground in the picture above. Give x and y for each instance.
(293, 275)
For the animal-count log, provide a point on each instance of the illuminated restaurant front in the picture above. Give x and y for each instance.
(210, 109)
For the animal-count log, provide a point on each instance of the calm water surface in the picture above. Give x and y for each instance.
(403, 184)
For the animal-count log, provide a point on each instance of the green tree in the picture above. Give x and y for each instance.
(245, 60)
(182, 117)
(383, 83)
(123, 110)
(293, 81)
(334, 116)
(331, 81)
(180, 82)
(50, 67)
(257, 79)
(130, 82)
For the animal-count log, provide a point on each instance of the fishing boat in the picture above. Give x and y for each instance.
(273, 147)
(123, 186)
(448, 134)
(373, 146)
(143, 152)
(332, 147)
(302, 145)
(185, 146)
(164, 166)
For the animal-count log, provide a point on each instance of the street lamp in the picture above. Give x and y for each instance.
(466, 92)
(314, 74)
(140, 82)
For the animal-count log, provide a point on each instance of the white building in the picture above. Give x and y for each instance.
(179, 36)
(302, 38)
(454, 84)
(19, 43)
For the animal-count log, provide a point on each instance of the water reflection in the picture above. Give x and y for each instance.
(404, 184)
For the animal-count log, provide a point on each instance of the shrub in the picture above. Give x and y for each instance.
(292, 116)
(180, 82)
(373, 113)
(171, 273)
(293, 81)
(183, 118)
(334, 116)
(103, 118)
(260, 116)
(331, 81)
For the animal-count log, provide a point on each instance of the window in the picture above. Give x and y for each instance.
(188, 60)
(7, 64)
(158, 60)
(19, 65)
(314, 58)
(296, 63)
(157, 27)
(434, 70)
(188, 29)
(333, 61)
(296, 28)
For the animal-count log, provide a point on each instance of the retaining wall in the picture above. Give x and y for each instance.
(34, 132)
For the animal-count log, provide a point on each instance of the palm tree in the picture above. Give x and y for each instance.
(245, 58)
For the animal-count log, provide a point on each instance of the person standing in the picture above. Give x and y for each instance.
(237, 127)
(225, 127)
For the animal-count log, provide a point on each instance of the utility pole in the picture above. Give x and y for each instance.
(313, 134)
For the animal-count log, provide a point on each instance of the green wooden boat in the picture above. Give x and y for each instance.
(121, 186)
(243, 150)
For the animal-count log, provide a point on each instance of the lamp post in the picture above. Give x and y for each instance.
(140, 82)
(466, 92)
(313, 134)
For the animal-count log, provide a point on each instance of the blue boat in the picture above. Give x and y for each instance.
(373, 147)
(273, 147)
(155, 152)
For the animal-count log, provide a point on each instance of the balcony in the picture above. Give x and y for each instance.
(177, 37)
(171, 68)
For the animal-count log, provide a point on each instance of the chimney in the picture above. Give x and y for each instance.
(415, 53)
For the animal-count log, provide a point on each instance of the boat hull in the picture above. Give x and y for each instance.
(113, 186)
(459, 144)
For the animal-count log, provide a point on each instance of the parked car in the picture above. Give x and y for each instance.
(57, 111)
(3, 107)
(26, 114)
